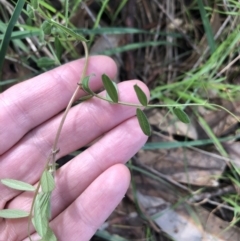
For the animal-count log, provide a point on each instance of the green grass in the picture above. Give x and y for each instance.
(8, 32)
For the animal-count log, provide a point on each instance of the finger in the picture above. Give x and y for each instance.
(85, 123)
(88, 212)
(26, 105)
(121, 143)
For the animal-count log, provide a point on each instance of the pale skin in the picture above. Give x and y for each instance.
(90, 186)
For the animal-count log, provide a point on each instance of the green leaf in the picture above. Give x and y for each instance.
(143, 122)
(59, 48)
(41, 213)
(47, 182)
(34, 4)
(18, 185)
(110, 88)
(46, 27)
(13, 213)
(30, 12)
(69, 31)
(116, 87)
(41, 37)
(141, 95)
(181, 115)
(49, 236)
(45, 62)
(8, 32)
(85, 85)
(207, 26)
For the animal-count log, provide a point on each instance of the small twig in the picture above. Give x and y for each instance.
(228, 66)
(208, 195)
(219, 205)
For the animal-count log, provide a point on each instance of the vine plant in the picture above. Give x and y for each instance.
(39, 214)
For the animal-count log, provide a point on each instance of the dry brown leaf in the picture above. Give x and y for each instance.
(186, 165)
(169, 123)
(106, 42)
(180, 225)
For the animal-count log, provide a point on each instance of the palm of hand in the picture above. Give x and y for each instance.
(90, 186)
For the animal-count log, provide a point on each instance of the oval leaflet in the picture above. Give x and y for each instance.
(141, 95)
(143, 122)
(181, 115)
(110, 88)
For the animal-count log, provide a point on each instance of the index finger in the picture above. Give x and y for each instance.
(26, 105)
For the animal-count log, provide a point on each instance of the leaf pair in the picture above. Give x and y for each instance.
(17, 185)
(145, 126)
(42, 211)
(142, 118)
(41, 205)
(112, 95)
(112, 90)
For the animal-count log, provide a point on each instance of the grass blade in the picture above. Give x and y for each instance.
(210, 133)
(59, 48)
(207, 26)
(134, 46)
(179, 144)
(8, 33)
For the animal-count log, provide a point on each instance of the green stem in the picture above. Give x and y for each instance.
(164, 105)
(149, 106)
(66, 12)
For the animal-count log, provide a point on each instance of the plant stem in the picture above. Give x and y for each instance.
(55, 149)
(52, 157)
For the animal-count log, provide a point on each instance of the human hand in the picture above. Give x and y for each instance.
(91, 185)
